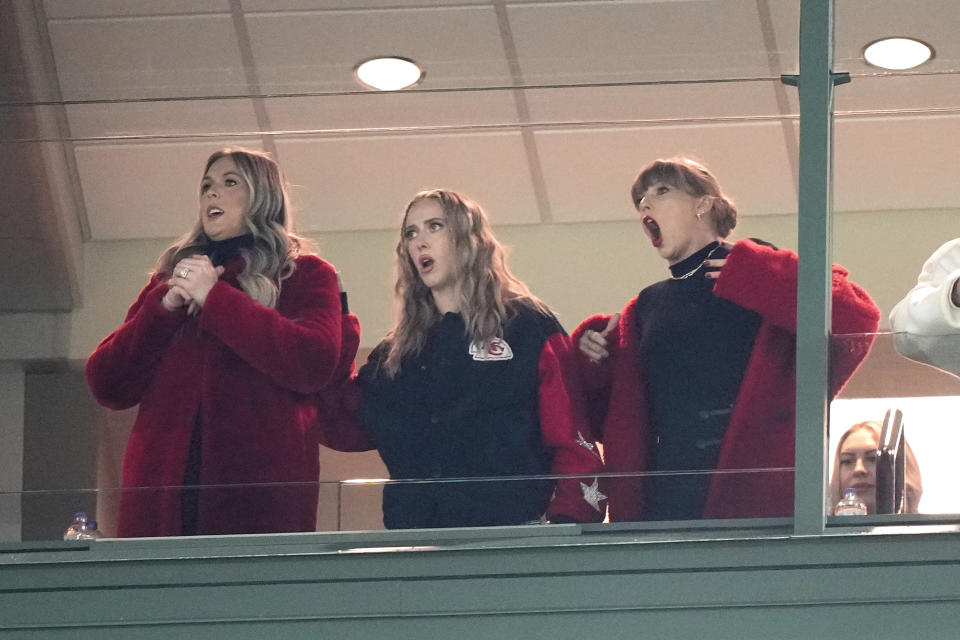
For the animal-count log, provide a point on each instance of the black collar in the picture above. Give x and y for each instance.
(221, 251)
(692, 262)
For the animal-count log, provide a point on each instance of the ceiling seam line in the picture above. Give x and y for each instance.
(323, 94)
(780, 92)
(252, 78)
(69, 150)
(523, 114)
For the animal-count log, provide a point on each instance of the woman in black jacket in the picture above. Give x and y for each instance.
(474, 381)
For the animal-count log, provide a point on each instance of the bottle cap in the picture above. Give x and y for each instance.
(849, 491)
(80, 515)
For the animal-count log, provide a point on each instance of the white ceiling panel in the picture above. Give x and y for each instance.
(584, 42)
(105, 8)
(589, 172)
(147, 57)
(309, 5)
(364, 183)
(181, 118)
(393, 109)
(899, 92)
(889, 92)
(122, 49)
(318, 51)
(656, 102)
(859, 22)
(781, 20)
(896, 163)
(144, 191)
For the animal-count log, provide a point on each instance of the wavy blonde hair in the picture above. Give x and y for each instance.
(485, 286)
(271, 257)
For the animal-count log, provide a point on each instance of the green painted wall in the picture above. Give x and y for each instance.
(495, 583)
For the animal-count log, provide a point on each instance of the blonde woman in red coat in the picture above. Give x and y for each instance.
(697, 374)
(224, 351)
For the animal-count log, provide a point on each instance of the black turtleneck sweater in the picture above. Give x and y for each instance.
(220, 252)
(693, 352)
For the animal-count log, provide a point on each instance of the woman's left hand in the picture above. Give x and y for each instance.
(196, 275)
(712, 268)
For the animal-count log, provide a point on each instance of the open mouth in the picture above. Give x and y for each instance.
(426, 264)
(214, 212)
(653, 230)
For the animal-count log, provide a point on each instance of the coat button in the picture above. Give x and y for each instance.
(434, 420)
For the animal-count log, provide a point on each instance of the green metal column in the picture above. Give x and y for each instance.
(816, 83)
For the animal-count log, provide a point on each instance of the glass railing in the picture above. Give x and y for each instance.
(287, 68)
(107, 50)
(914, 375)
(541, 110)
(370, 504)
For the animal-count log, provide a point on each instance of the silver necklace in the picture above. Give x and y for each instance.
(698, 267)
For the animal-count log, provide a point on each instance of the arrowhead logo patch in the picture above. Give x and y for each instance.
(498, 349)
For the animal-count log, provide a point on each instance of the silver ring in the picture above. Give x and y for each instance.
(184, 272)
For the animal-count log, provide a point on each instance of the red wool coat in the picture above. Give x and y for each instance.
(248, 375)
(761, 431)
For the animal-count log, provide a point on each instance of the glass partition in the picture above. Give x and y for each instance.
(353, 505)
(917, 376)
(895, 134)
(542, 111)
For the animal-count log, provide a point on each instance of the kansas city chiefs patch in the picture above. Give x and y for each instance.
(498, 349)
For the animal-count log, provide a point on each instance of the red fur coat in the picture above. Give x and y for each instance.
(761, 431)
(248, 376)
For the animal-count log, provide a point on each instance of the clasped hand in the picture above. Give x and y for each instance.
(190, 283)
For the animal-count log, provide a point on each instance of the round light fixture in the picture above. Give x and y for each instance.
(897, 53)
(388, 73)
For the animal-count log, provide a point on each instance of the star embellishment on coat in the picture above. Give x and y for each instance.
(591, 493)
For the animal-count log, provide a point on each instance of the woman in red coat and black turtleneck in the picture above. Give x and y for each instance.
(224, 351)
(697, 374)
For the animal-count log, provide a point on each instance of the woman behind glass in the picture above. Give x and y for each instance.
(474, 380)
(855, 467)
(698, 374)
(224, 351)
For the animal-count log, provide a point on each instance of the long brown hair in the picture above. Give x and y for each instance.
(275, 248)
(485, 285)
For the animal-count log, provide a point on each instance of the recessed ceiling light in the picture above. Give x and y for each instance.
(388, 73)
(897, 53)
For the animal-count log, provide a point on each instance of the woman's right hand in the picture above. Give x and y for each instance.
(176, 297)
(594, 343)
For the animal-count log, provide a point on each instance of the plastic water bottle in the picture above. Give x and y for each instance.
(76, 527)
(850, 505)
(89, 531)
